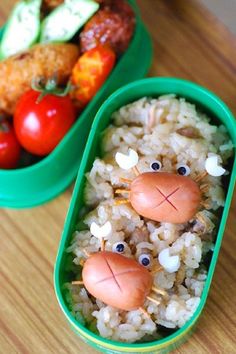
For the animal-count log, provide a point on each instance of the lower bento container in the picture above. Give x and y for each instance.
(36, 184)
(154, 87)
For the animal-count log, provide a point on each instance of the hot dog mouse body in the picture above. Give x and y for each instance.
(117, 280)
(163, 196)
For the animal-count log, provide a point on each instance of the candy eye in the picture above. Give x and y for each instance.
(144, 259)
(118, 247)
(156, 165)
(183, 170)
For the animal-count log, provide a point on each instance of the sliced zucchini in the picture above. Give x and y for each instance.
(22, 29)
(62, 24)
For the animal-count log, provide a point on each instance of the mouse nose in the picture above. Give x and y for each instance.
(165, 197)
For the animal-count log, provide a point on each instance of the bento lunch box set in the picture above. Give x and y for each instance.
(75, 154)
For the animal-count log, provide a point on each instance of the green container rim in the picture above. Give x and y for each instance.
(180, 86)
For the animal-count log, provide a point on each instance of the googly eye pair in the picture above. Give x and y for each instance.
(118, 247)
(145, 260)
(183, 170)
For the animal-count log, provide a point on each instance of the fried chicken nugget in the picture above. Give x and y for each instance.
(18, 71)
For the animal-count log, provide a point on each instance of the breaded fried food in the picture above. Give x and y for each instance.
(18, 71)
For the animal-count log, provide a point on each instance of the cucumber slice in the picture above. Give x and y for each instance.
(22, 29)
(62, 24)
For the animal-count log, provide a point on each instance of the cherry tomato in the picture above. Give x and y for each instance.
(41, 124)
(9, 146)
(90, 72)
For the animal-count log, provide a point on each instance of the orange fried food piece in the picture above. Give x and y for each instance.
(18, 71)
(89, 74)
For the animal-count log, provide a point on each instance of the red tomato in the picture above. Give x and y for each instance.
(90, 72)
(9, 146)
(40, 126)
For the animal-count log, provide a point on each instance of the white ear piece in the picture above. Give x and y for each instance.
(213, 167)
(101, 232)
(126, 162)
(170, 263)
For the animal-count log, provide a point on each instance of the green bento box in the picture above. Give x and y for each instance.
(153, 87)
(36, 184)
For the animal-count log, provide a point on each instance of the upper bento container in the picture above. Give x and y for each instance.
(153, 87)
(36, 184)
